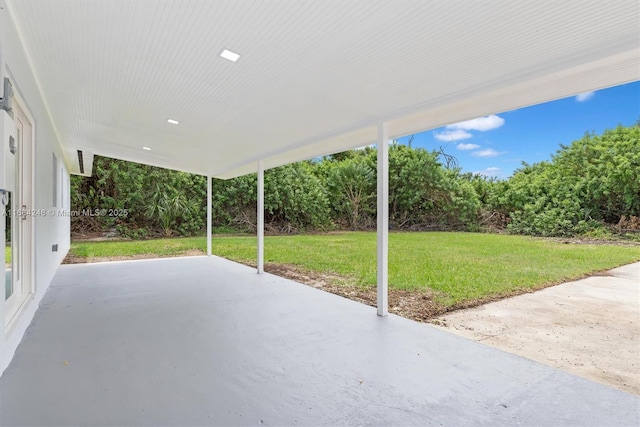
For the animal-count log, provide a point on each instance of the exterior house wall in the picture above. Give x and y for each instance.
(48, 228)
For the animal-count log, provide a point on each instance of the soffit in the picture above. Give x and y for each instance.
(314, 77)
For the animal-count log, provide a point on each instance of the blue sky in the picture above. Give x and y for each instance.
(496, 145)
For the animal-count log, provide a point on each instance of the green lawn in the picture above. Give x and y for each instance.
(159, 247)
(460, 267)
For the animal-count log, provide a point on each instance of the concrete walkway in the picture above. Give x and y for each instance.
(204, 341)
(589, 327)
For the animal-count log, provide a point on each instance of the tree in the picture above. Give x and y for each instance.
(423, 194)
(351, 184)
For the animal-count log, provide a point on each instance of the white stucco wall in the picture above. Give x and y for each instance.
(48, 229)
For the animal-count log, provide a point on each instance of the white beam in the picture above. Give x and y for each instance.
(383, 220)
(260, 212)
(208, 215)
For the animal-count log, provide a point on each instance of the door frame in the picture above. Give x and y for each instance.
(28, 237)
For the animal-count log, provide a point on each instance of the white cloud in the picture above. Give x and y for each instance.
(481, 123)
(453, 135)
(462, 146)
(488, 152)
(585, 96)
(490, 171)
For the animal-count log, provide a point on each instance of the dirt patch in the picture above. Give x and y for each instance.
(588, 241)
(416, 305)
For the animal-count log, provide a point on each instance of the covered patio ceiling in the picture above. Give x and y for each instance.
(313, 77)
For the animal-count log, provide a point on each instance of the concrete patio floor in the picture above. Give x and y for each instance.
(204, 341)
(589, 327)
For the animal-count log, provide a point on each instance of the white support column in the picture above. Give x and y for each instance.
(208, 215)
(260, 212)
(383, 220)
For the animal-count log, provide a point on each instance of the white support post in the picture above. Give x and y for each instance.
(208, 215)
(383, 220)
(260, 212)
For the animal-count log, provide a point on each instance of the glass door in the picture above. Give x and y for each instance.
(18, 222)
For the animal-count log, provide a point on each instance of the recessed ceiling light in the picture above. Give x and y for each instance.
(172, 121)
(231, 56)
(146, 148)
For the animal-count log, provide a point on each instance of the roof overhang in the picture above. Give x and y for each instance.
(313, 78)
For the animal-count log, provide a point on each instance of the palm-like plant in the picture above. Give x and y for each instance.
(167, 207)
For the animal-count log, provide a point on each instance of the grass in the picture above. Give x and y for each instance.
(158, 247)
(459, 267)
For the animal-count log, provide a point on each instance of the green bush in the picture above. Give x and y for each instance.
(351, 185)
(424, 194)
(144, 193)
(294, 199)
(586, 186)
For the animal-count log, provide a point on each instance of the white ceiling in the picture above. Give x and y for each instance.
(314, 77)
